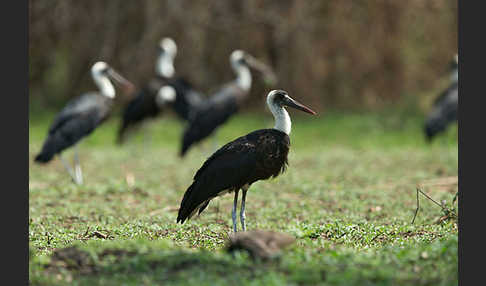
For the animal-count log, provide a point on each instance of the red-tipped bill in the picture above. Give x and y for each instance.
(297, 105)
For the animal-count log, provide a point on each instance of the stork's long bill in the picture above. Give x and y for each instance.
(297, 105)
(267, 72)
(126, 84)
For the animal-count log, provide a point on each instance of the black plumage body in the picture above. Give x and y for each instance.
(76, 120)
(141, 107)
(144, 105)
(214, 112)
(258, 155)
(443, 113)
(187, 98)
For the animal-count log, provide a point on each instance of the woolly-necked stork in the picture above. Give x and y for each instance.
(218, 108)
(81, 116)
(258, 155)
(444, 109)
(162, 91)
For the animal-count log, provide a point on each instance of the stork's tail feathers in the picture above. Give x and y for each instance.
(185, 209)
(190, 137)
(44, 157)
(49, 149)
(184, 149)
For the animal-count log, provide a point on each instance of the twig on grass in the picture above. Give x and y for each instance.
(448, 213)
(86, 233)
(418, 206)
(48, 238)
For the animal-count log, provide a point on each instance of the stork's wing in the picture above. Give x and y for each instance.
(443, 112)
(227, 169)
(453, 88)
(85, 104)
(76, 120)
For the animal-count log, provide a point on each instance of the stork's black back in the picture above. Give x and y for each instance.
(144, 105)
(187, 98)
(443, 113)
(258, 155)
(75, 121)
(141, 107)
(214, 112)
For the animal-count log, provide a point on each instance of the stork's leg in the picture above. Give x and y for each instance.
(233, 212)
(68, 168)
(242, 210)
(77, 167)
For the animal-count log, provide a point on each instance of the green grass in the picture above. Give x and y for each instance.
(348, 197)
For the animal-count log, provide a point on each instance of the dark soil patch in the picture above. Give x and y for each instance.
(77, 260)
(72, 259)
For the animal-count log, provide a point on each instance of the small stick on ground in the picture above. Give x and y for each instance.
(86, 233)
(442, 206)
(455, 197)
(376, 236)
(418, 206)
(48, 238)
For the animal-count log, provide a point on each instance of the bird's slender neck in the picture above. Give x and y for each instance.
(282, 118)
(243, 76)
(455, 75)
(104, 85)
(165, 65)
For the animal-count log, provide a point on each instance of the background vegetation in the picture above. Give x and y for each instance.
(347, 54)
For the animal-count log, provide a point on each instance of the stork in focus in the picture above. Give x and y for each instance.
(81, 116)
(444, 109)
(258, 155)
(218, 108)
(163, 91)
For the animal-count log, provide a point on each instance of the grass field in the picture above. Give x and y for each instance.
(348, 197)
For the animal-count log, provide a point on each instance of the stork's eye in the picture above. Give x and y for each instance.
(279, 98)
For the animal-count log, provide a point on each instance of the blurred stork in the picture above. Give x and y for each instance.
(218, 108)
(258, 155)
(81, 116)
(444, 108)
(162, 91)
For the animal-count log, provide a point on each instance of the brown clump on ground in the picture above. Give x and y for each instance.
(259, 243)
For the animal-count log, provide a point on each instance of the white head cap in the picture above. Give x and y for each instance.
(236, 56)
(100, 77)
(169, 46)
(98, 68)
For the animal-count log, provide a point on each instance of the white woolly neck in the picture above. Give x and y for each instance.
(282, 117)
(102, 81)
(455, 75)
(165, 65)
(243, 76)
